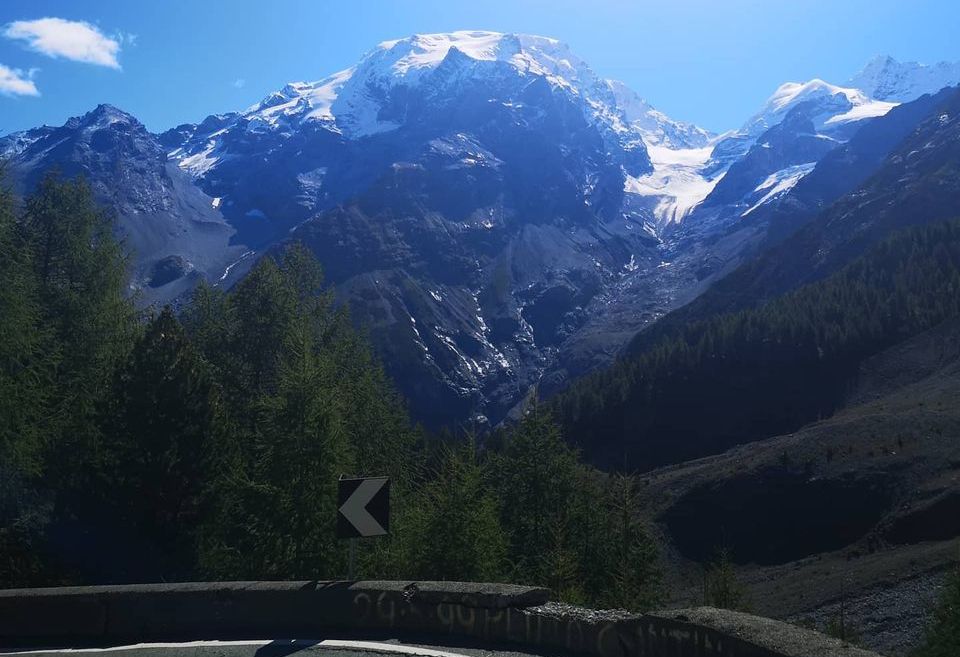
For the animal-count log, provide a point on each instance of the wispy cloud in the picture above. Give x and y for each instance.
(126, 38)
(239, 83)
(75, 40)
(14, 82)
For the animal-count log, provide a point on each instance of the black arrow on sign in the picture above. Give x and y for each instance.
(363, 507)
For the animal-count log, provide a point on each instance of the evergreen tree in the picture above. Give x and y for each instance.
(64, 327)
(636, 573)
(23, 368)
(722, 588)
(161, 422)
(306, 403)
(562, 565)
(456, 532)
(80, 275)
(535, 475)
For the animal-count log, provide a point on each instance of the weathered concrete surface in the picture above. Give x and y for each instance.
(488, 613)
(719, 631)
(493, 596)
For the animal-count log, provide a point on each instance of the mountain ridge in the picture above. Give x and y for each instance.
(555, 212)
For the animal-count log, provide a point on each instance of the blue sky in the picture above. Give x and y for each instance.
(712, 62)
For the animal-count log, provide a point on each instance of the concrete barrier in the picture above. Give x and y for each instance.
(494, 614)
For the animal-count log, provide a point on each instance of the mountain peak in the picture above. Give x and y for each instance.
(885, 78)
(405, 60)
(363, 100)
(104, 115)
(350, 101)
(826, 105)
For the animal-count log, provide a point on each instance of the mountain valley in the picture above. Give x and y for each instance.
(498, 217)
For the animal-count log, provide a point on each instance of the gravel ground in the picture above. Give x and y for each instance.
(888, 619)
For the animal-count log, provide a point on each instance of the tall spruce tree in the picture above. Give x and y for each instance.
(80, 274)
(536, 477)
(456, 532)
(23, 399)
(23, 366)
(633, 559)
(161, 423)
(306, 403)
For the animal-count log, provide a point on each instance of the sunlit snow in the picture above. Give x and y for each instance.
(867, 110)
(779, 183)
(676, 179)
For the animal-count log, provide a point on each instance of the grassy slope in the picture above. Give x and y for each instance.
(899, 439)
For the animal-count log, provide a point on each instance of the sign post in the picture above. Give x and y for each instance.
(363, 510)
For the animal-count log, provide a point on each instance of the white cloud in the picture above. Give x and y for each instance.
(76, 40)
(13, 82)
(239, 83)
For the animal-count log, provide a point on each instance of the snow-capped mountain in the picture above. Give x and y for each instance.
(400, 85)
(830, 107)
(884, 78)
(686, 170)
(485, 170)
(834, 111)
(379, 93)
(364, 100)
(495, 212)
(799, 124)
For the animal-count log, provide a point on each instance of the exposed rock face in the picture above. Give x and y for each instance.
(161, 216)
(497, 215)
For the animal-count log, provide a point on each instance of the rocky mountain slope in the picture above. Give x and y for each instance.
(174, 231)
(776, 187)
(898, 171)
(495, 212)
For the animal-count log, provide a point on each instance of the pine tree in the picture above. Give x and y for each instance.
(161, 423)
(536, 474)
(23, 368)
(305, 404)
(722, 589)
(455, 528)
(80, 275)
(636, 573)
(24, 513)
(561, 564)
(65, 325)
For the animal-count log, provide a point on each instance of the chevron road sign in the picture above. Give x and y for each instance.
(363, 507)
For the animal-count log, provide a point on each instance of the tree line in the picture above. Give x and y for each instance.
(206, 443)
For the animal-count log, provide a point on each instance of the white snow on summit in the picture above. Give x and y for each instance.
(884, 78)
(361, 101)
(830, 105)
(356, 103)
(351, 100)
(683, 176)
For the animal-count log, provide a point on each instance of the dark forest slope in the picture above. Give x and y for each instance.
(744, 376)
